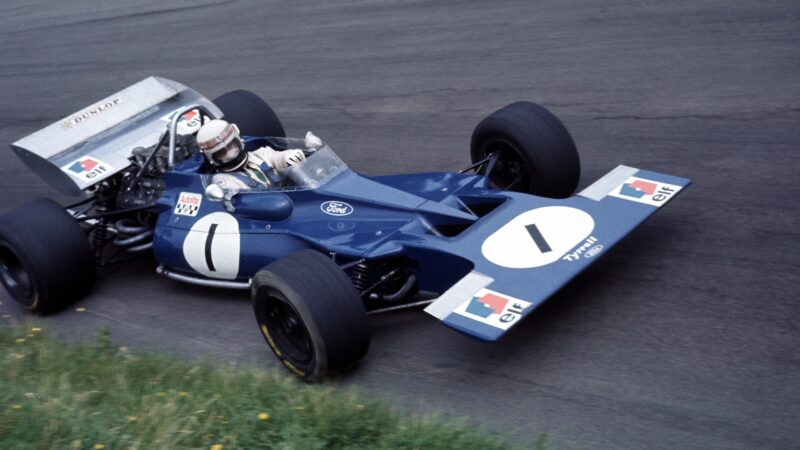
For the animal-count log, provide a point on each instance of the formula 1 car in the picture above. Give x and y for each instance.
(326, 246)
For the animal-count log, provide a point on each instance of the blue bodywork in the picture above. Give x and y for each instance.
(449, 228)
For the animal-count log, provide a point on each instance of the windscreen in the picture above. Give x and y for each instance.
(320, 166)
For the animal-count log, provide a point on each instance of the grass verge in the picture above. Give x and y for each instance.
(96, 395)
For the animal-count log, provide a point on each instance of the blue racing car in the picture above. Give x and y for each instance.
(323, 247)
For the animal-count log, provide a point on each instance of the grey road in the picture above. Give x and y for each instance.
(684, 336)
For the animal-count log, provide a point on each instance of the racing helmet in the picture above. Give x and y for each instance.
(221, 144)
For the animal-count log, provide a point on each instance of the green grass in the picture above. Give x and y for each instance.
(97, 395)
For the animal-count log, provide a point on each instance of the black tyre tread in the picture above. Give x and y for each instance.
(250, 113)
(543, 141)
(54, 250)
(329, 298)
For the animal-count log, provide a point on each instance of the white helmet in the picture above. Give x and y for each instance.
(220, 142)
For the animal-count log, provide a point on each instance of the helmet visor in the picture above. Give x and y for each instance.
(229, 152)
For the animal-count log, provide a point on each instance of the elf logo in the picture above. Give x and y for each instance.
(645, 191)
(188, 123)
(493, 308)
(87, 168)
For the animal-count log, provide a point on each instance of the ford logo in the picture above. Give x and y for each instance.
(333, 208)
(593, 251)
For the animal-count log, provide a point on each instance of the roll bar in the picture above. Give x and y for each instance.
(173, 128)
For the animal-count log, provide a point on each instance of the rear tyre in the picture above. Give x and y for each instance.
(46, 262)
(250, 113)
(535, 152)
(310, 314)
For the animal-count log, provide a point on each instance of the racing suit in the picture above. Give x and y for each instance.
(263, 168)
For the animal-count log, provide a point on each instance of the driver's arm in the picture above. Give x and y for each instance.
(280, 160)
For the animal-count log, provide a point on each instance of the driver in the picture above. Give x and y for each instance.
(238, 169)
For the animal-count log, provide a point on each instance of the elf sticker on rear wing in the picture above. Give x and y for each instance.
(539, 245)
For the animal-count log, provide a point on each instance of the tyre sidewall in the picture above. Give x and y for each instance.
(54, 251)
(267, 282)
(326, 301)
(34, 272)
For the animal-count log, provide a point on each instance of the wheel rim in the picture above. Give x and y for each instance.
(509, 173)
(288, 331)
(14, 276)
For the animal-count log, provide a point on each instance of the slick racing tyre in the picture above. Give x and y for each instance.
(250, 113)
(46, 262)
(535, 152)
(310, 314)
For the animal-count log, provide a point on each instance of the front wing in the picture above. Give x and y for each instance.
(534, 246)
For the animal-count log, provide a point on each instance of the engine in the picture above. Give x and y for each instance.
(144, 184)
(121, 207)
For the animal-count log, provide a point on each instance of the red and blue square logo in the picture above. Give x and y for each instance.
(649, 192)
(638, 188)
(84, 165)
(87, 168)
(493, 308)
(487, 305)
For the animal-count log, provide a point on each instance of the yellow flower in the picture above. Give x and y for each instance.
(162, 394)
(16, 407)
(20, 341)
(80, 309)
(132, 418)
(99, 446)
(36, 329)
(263, 416)
(183, 394)
(216, 447)
(300, 408)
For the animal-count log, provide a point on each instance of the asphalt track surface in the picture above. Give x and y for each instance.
(684, 336)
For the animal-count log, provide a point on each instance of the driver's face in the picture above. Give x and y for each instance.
(228, 153)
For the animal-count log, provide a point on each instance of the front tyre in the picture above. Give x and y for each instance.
(533, 151)
(46, 262)
(310, 315)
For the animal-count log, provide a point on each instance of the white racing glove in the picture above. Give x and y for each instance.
(292, 157)
(313, 141)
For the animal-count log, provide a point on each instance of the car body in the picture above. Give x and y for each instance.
(489, 256)
(455, 232)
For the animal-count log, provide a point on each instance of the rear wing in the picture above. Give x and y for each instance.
(533, 246)
(93, 144)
